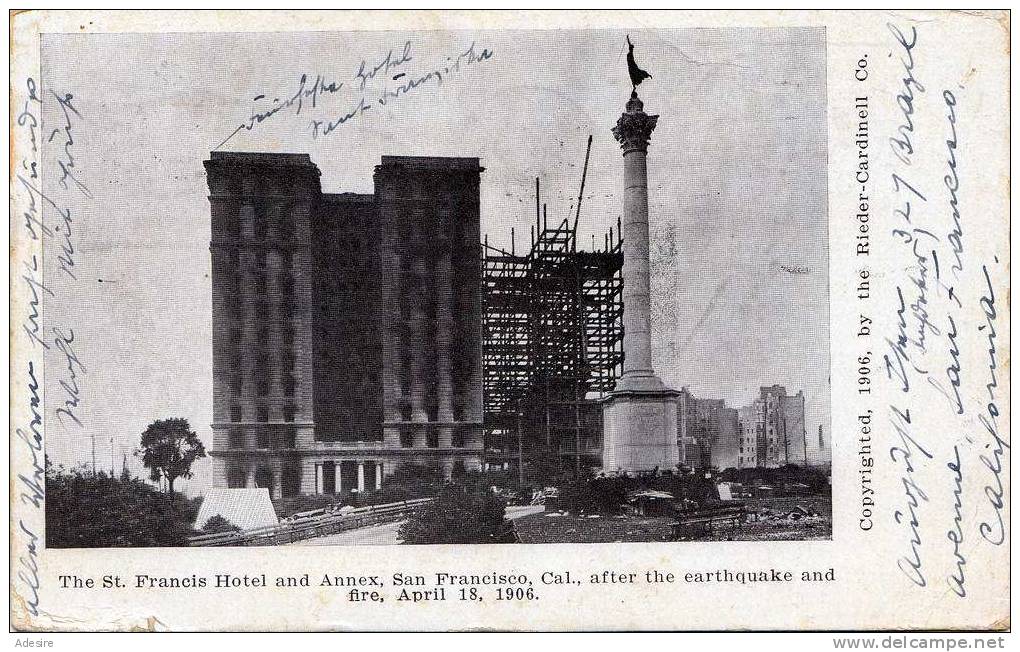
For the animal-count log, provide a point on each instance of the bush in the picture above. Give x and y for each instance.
(218, 524)
(459, 515)
(99, 511)
(608, 495)
(816, 479)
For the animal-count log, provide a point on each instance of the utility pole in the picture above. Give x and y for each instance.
(520, 449)
(93, 438)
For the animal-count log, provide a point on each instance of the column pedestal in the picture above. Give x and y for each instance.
(639, 431)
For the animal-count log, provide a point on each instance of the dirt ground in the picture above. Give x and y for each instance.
(772, 526)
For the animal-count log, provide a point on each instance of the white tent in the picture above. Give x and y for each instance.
(245, 508)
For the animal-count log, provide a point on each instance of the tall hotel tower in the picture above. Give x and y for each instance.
(346, 327)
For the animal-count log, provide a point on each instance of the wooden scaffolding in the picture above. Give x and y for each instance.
(552, 346)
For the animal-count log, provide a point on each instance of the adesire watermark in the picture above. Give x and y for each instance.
(905, 642)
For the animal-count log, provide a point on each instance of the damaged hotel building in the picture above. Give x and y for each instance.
(346, 327)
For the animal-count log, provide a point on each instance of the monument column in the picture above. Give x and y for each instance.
(639, 416)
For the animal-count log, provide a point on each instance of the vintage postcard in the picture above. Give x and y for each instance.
(509, 321)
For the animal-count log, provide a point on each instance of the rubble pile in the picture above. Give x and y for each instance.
(799, 514)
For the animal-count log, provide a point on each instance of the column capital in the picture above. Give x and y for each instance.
(634, 128)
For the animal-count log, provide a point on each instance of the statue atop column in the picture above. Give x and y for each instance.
(637, 75)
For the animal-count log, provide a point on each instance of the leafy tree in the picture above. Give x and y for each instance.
(86, 510)
(458, 515)
(169, 448)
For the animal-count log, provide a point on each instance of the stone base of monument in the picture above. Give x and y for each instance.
(639, 427)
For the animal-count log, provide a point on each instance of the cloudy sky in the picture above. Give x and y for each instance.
(737, 176)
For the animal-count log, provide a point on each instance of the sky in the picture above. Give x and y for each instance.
(736, 170)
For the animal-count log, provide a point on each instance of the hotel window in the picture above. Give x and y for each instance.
(288, 413)
(289, 438)
(261, 222)
(263, 414)
(236, 478)
(432, 438)
(286, 283)
(235, 413)
(405, 412)
(234, 306)
(261, 375)
(262, 338)
(283, 228)
(265, 441)
(405, 376)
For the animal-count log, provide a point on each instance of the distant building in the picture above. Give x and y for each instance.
(749, 425)
(768, 433)
(727, 436)
(707, 432)
(346, 328)
(820, 456)
(686, 425)
(781, 438)
(794, 432)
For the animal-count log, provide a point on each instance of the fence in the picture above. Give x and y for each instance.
(311, 524)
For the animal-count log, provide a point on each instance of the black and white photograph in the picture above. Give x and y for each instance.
(385, 296)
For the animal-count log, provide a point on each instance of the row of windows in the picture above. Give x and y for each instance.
(264, 438)
(264, 224)
(432, 439)
(261, 413)
(263, 336)
(261, 256)
(259, 308)
(431, 412)
(288, 384)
